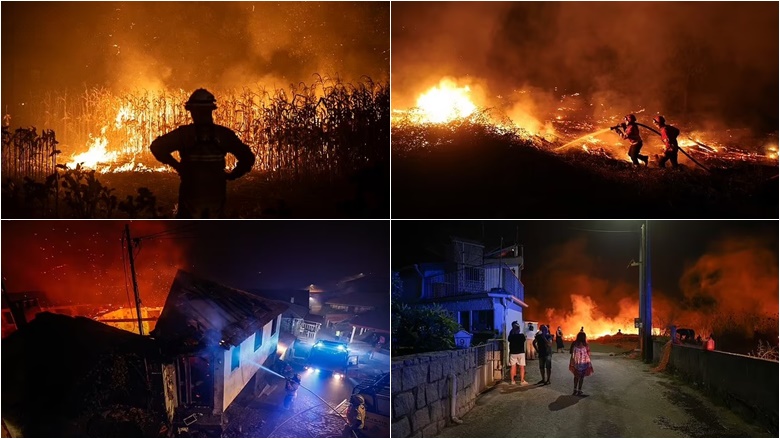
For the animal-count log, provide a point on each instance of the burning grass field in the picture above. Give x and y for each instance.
(477, 167)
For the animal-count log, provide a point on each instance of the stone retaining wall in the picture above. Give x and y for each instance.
(421, 388)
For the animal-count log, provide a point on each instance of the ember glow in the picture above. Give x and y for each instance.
(445, 102)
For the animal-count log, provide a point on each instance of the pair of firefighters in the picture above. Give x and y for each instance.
(668, 136)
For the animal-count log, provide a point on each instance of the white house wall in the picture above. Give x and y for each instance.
(249, 363)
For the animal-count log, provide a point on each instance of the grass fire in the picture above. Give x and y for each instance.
(308, 95)
(523, 112)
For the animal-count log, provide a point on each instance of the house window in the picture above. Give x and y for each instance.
(235, 358)
(473, 274)
(483, 320)
(273, 327)
(258, 338)
(465, 320)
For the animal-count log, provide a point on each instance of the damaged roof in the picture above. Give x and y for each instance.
(199, 312)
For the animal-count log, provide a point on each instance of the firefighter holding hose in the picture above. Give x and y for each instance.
(631, 134)
(669, 136)
(202, 147)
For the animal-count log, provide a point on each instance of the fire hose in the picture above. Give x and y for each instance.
(680, 149)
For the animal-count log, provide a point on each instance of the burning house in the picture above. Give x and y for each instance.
(73, 376)
(481, 289)
(218, 339)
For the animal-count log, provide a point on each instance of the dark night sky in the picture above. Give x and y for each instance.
(715, 60)
(696, 265)
(82, 260)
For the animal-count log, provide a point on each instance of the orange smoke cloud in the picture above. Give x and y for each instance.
(734, 283)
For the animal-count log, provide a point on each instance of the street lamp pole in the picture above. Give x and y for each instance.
(647, 313)
(642, 284)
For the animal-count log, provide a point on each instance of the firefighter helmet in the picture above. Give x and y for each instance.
(659, 120)
(201, 98)
(631, 118)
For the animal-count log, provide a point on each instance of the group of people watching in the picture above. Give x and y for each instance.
(579, 362)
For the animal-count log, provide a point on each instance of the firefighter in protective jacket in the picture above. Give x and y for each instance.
(669, 136)
(356, 414)
(633, 137)
(202, 147)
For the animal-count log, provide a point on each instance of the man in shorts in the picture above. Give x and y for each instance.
(516, 341)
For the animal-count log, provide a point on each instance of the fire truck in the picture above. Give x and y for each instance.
(328, 358)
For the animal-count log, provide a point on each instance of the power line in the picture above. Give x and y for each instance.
(603, 231)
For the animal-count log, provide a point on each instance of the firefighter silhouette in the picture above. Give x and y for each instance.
(202, 147)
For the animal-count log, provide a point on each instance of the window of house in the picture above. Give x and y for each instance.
(483, 320)
(273, 327)
(465, 320)
(235, 358)
(473, 274)
(258, 338)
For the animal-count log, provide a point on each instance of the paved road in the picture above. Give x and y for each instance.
(263, 416)
(622, 399)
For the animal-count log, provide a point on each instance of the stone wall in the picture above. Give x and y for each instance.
(421, 388)
(743, 382)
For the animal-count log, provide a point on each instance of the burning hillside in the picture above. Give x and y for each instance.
(518, 109)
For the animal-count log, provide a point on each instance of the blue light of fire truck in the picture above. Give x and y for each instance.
(342, 348)
(318, 344)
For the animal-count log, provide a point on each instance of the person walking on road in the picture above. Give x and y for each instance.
(559, 340)
(543, 345)
(516, 341)
(579, 363)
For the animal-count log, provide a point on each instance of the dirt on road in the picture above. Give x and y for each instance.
(623, 398)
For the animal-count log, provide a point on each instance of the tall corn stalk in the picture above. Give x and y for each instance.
(326, 128)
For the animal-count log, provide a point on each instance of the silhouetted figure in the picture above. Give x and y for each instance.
(543, 345)
(579, 363)
(634, 139)
(669, 136)
(202, 147)
(516, 341)
(559, 340)
(710, 343)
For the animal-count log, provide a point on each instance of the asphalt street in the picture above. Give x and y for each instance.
(623, 398)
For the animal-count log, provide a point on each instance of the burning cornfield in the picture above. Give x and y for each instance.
(320, 141)
(522, 113)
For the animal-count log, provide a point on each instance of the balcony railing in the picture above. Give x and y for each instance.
(472, 280)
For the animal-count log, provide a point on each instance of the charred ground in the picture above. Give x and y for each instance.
(472, 169)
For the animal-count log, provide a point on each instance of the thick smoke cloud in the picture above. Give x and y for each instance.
(86, 264)
(50, 46)
(735, 278)
(702, 61)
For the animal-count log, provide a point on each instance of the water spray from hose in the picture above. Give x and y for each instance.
(346, 421)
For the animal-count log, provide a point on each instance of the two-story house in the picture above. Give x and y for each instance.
(217, 338)
(481, 289)
(297, 320)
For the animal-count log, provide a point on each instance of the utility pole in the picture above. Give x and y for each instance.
(642, 322)
(647, 314)
(135, 282)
